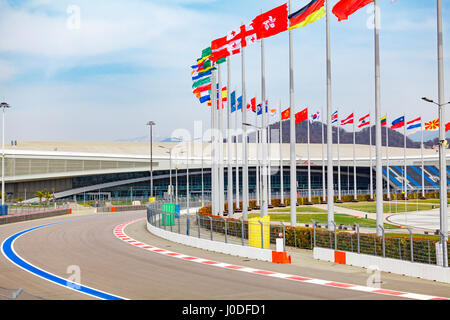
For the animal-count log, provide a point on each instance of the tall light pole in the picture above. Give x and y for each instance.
(151, 124)
(443, 177)
(4, 106)
(169, 151)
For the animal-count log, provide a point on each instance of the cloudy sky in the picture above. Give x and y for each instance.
(98, 70)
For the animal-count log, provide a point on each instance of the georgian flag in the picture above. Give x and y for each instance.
(364, 121)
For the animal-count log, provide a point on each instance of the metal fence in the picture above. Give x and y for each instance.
(14, 209)
(254, 233)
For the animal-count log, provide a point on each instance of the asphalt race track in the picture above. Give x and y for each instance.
(114, 267)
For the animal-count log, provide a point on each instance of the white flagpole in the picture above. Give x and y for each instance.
(370, 156)
(281, 160)
(354, 159)
(421, 155)
(244, 144)
(229, 142)
(387, 163)
(269, 174)
(237, 160)
(309, 161)
(323, 160)
(221, 185)
(265, 175)
(214, 194)
(339, 157)
(258, 175)
(379, 171)
(293, 164)
(442, 147)
(404, 161)
(330, 187)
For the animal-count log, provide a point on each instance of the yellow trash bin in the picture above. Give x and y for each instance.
(255, 234)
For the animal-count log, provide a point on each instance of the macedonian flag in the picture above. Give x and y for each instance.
(432, 125)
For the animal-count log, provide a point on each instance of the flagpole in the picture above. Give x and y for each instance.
(220, 154)
(370, 156)
(323, 161)
(339, 158)
(387, 163)
(244, 144)
(264, 176)
(442, 140)
(309, 161)
(404, 160)
(330, 187)
(214, 205)
(293, 162)
(281, 160)
(257, 176)
(354, 160)
(421, 155)
(269, 172)
(237, 159)
(379, 172)
(229, 150)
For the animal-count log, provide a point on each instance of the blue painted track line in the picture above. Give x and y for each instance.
(8, 251)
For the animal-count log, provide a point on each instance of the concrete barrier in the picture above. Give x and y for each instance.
(407, 268)
(227, 248)
(33, 215)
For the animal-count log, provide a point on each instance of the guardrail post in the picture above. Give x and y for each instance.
(242, 230)
(411, 245)
(211, 227)
(314, 232)
(383, 242)
(198, 225)
(225, 221)
(357, 236)
(335, 235)
(262, 234)
(284, 237)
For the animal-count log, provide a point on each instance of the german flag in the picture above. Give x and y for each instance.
(313, 11)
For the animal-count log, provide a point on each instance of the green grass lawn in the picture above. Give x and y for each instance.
(299, 209)
(370, 207)
(344, 219)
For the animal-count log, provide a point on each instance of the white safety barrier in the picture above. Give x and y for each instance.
(407, 268)
(227, 248)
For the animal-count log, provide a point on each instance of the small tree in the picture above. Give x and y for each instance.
(39, 195)
(47, 196)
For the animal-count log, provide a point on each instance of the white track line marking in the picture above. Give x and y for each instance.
(120, 233)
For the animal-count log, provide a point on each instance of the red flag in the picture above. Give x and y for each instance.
(219, 48)
(447, 127)
(344, 8)
(271, 22)
(286, 114)
(347, 120)
(301, 116)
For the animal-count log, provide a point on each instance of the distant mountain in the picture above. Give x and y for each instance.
(137, 139)
(396, 139)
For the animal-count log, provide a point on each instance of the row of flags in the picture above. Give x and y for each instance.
(265, 25)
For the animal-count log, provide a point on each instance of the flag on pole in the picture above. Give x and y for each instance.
(334, 117)
(398, 123)
(364, 121)
(414, 126)
(271, 22)
(447, 127)
(432, 125)
(233, 102)
(239, 103)
(315, 116)
(286, 114)
(301, 116)
(347, 120)
(259, 109)
(345, 8)
(313, 11)
(384, 121)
